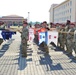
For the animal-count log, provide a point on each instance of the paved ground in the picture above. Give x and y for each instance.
(37, 62)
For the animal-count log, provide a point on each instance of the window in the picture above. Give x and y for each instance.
(70, 3)
(70, 10)
(70, 17)
(66, 5)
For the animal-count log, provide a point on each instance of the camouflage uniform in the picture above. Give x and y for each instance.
(75, 43)
(1, 27)
(65, 37)
(70, 41)
(1, 41)
(59, 38)
(62, 40)
(58, 29)
(24, 37)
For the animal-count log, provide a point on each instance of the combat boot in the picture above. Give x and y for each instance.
(24, 55)
(46, 49)
(74, 58)
(69, 54)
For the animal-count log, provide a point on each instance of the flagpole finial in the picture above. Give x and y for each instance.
(28, 17)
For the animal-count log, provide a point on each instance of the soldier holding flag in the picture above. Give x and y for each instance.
(70, 39)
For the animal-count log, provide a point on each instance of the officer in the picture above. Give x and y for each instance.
(24, 39)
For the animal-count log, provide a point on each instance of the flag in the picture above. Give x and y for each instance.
(41, 36)
(51, 36)
(31, 34)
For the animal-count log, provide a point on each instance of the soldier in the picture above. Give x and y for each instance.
(51, 24)
(57, 26)
(61, 35)
(75, 43)
(67, 26)
(59, 29)
(66, 29)
(44, 24)
(70, 41)
(24, 38)
(68, 23)
(2, 26)
(1, 38)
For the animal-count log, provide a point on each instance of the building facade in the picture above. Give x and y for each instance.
(60, 13)
(12, 19)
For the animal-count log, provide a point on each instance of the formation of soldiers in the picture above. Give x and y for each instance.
(67, 38)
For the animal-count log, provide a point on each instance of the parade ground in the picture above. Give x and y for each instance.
(36, 63)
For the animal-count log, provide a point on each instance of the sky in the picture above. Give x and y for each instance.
(38, 9)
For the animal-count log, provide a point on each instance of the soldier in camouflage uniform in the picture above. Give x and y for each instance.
(75, 43)
(66, 29)
(61, 35)
(58, 29)
(2, 26)
(70, 39)
(51, 24)
(24, 38)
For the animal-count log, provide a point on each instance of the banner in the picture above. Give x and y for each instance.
(41, 36)
(31, 34)
(51, 36)
(1, 34)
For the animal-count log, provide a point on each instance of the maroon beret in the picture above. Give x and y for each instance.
(63, 25)
(44, 22)
(72, 24)
(51, 23)
(24, 22)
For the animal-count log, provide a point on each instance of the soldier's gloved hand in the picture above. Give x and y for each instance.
(23, 40)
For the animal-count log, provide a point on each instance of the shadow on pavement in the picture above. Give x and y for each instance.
(73, 60)
(46, 61)
(5, 47)
(22, 63)
(57, 48)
